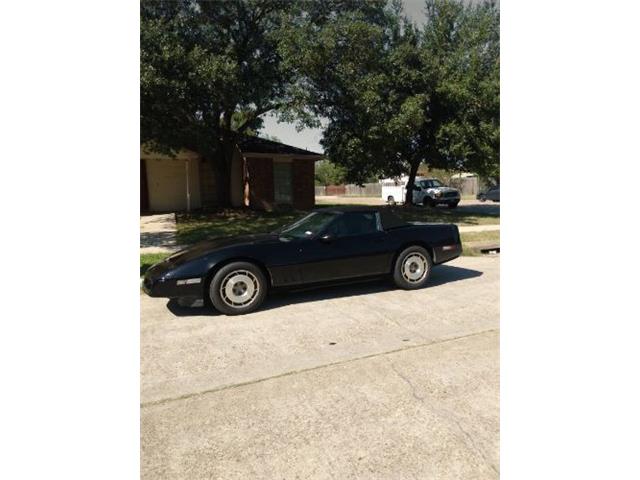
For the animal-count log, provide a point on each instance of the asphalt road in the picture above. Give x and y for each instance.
(360, 381)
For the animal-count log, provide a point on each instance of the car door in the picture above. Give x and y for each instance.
(354, 245)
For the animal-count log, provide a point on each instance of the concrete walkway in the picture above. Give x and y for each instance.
(158, 233)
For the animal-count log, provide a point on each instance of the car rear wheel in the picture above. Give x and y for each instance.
(238, 288)
(428, 202)
(391, 200)
(412, 268)
(482, 198)
(452, 204)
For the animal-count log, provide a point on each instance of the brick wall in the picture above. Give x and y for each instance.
(207, 185)
(260, 176)
(303, 184)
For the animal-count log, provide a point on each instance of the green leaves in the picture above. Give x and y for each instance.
(397, 94)
(328, 173)
(392, 94)
(201, 62)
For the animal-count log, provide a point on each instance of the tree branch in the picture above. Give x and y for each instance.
(255, 114)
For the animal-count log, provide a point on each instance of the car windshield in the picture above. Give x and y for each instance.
(308, 226)
(429, 183)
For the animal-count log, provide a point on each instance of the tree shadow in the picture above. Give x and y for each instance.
(157, 239)
(473, 214)
(441, 275)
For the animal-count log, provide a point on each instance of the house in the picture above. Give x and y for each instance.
(264, 175)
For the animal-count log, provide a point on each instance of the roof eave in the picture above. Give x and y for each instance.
(314, 156)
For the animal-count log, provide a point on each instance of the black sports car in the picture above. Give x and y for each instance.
(326, 246)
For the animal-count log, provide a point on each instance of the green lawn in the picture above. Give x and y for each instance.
(149, 259)
(194, 227)
(473, 239)
(488, 237)
(459, 216)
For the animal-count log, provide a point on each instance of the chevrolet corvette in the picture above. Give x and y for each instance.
(326, 246)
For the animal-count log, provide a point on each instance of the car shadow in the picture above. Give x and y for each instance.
(441, 275)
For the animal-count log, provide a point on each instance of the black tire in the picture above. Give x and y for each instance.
(482, 198)
(391, 200)
(452, 204)
(402, 270)
(238, 288)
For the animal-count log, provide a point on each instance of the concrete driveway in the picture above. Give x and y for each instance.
(362, 381)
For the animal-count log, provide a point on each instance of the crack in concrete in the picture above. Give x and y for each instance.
(407, 381)
(474, 446)
(304, 370)
(447, 415)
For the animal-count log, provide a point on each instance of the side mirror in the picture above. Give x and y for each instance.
(326, 238)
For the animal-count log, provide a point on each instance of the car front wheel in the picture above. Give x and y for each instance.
(452, 204)
(237, 288)
(412, 268)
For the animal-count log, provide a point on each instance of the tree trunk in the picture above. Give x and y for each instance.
(411, 182)
(224, 154)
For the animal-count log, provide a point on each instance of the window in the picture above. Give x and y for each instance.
(429, 183)
(308, 226)
(355, 223)
(282, 183)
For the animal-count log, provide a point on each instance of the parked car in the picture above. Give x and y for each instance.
(492, 193)
(427, 191)
(326, 246)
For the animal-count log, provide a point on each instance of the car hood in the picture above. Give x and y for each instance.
(208, 246)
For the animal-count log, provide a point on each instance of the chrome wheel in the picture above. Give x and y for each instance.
(239, 288)
(414, 267)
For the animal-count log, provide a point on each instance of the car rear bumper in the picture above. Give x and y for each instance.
(446, 253)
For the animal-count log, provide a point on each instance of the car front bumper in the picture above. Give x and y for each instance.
(445, 199)
(155, 284)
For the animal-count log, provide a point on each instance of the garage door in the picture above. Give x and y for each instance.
(167, 184)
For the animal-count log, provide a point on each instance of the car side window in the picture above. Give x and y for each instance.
(355, 223)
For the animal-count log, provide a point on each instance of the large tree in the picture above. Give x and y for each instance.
(396, 95)
(208, 71)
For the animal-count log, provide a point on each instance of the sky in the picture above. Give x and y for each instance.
(309, 138)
